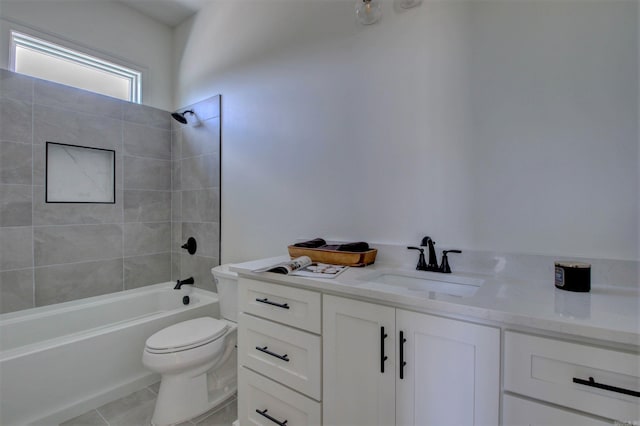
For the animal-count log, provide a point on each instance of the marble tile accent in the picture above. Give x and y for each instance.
(201, 140)
(15, 121)
(200, 172)
(16, 290)
(76, 243)
(147, 206)
(57, 95)
(147, 238)
(207, 234)
(145, 270)
(91, 418)
(15, 205)
(223, 416)
(134, 409)
(16, 248)
(76, 128)
(15, 163)
(61, 283)
(201, 205)
(147, 173)
(147, 116)
(200, 268)
(146, 141)
(74, 213)
(16, 86)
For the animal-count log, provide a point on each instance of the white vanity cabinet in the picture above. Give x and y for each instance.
(385, 366)
(600, 382)
(279, 355)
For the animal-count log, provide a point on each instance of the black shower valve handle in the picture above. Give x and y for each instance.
(191, 246)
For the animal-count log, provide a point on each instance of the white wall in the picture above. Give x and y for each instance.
(104, 27)
(488, 125)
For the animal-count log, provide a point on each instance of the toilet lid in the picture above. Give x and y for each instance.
(189, 333)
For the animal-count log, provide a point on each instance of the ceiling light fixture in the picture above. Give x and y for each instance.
(368, 11)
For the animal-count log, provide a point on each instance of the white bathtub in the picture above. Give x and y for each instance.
(59, 361)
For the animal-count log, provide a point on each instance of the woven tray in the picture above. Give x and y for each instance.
(347, 258)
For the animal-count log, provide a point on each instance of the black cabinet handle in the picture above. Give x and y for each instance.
(269, 302)
(264, 413)
(592, 383)
(383, 358)
(402, 362)
(268, 352)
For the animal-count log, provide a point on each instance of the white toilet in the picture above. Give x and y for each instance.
(196, 358)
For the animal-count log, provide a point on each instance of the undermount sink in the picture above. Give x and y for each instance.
(417, 282)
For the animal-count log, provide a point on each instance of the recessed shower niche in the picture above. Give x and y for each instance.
(79, 174)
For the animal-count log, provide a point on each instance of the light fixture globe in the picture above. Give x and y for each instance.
(368, 11)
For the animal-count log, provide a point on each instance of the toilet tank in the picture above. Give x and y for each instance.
(227, 284)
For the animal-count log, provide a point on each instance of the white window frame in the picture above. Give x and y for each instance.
(56, 50)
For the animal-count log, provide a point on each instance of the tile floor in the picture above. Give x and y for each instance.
(136, 409)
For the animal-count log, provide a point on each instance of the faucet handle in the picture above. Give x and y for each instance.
(444, 266)
(422, 263)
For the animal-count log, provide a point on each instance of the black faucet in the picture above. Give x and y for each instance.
(179, 283)
(432, 265)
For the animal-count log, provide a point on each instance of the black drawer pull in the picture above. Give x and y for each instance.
(269, 302)
(402, 362)
(282, 357)
(594, 384)
(383, 358)
(264, 413)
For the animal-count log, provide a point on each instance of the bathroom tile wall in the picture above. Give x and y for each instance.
(52, 253)
(195, 170)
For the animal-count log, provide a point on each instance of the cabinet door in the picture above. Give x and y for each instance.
(356, 391)
(452, 372)
(522, 412)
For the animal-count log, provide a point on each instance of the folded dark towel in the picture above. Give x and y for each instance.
(315, 243)
(357, 247)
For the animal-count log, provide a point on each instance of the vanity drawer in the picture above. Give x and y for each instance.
(292, 306)
(551, 370)
(287, 355)
(523, 412)
(257, 394)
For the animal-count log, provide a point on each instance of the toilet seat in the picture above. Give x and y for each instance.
(186, 335)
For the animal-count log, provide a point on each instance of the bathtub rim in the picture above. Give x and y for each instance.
(205, 297)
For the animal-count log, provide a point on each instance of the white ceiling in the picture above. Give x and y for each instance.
(170, 12)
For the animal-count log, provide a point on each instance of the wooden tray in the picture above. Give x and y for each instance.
(347, 258)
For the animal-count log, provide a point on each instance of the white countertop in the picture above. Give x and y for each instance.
(608, 313)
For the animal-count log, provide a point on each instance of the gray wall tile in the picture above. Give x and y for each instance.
(61, 283)
(74, 213)
(147, 206)
(16, 248)
(200, 268)
(15, 205)
(52, 94)
(144, 141)
(75, 128)
(146, 238)
(16, 290)
(76, 243)
(176, 143)
(146, 270)
(15, 163)
(176, 205)
(147, 173)
(176, 175)
(200, 172)
(147, 115)
(176, 237)
(201, 205)
(175, 266)
(200, 140)
(207, 235)
(15, 121)
(16, 86)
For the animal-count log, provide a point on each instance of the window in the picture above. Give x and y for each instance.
(49, 61)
